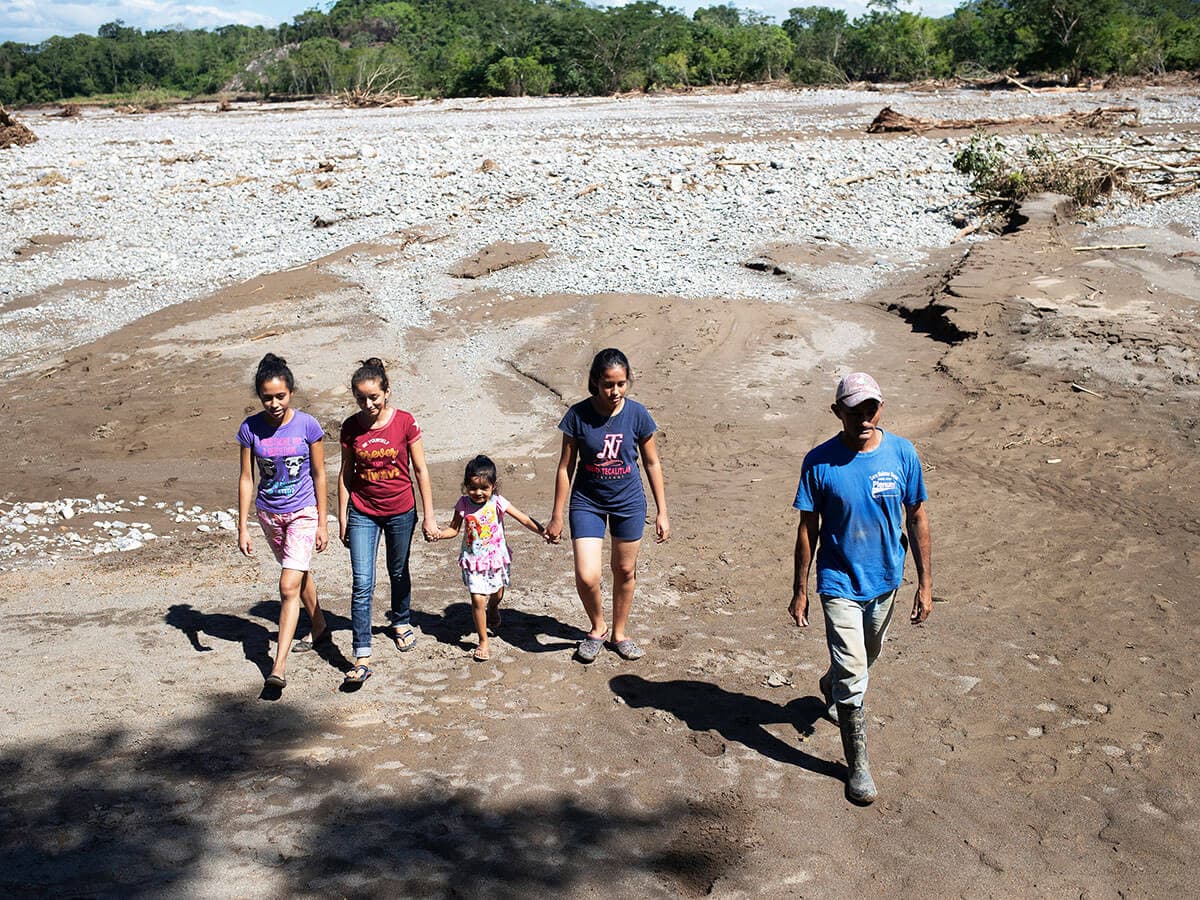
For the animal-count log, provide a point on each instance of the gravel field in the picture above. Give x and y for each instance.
(633, 196)
(171, 206)
(1036, 737)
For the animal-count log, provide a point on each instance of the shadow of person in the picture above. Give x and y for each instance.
(328, 651)
(449, 628)
(736, 717)
(456, 627)
(254, 638)
(524, 630)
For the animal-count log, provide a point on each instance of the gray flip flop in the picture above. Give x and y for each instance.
(589, 648)
(627, 649)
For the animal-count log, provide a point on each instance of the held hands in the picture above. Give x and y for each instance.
(798, 610)
(553, 530)
(922, 605)
(431, 530)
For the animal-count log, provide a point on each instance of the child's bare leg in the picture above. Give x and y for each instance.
(289, 615)
(308, 596)
(493, 608)
(479, 605)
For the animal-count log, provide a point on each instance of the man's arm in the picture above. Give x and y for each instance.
(917, 522)
(806, 540)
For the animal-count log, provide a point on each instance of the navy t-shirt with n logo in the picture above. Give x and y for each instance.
(606, 476)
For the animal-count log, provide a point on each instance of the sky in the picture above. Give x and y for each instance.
(32, 21)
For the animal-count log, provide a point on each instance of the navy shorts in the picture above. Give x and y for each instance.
(624, 526)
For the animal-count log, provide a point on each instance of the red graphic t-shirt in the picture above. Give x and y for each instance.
(380, 483)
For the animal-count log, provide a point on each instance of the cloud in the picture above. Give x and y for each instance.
(32, 21)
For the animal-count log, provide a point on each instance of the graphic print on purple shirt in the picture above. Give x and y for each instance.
(606, 476)
(282, 456)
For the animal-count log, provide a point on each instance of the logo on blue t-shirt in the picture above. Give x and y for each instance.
(885, 484)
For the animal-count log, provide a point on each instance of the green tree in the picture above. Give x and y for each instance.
(817, 32)
(518, 77)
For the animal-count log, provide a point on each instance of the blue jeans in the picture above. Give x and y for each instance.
(363, 533)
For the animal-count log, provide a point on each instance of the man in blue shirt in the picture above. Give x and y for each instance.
(855, 490)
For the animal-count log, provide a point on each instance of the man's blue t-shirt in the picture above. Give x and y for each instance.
(607, 478)
(860, 497)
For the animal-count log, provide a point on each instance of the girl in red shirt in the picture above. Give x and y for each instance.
(381, 452)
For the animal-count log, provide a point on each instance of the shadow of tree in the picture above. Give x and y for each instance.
(452, 846)
(241, 791)
(736, 717)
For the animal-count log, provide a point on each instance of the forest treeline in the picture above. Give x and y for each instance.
(515, 47)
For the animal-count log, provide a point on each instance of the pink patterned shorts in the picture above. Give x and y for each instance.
(292, 536)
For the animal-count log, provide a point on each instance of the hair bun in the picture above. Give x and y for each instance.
(374, 362)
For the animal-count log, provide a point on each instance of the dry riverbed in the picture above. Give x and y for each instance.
(1036, 736)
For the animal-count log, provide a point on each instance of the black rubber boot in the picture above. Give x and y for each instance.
(826, 685)
(860, 788)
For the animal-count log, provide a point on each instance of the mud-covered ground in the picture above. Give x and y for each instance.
(1038, 735)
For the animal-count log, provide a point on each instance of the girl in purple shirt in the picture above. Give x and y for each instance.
(284, 445)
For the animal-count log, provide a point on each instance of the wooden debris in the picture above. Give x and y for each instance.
(854, 179)
(262, 335)
(1084, 249)
(1083, 390)
(1102, 118)
(964, 231)
(12, 132)
(1008, 79)
(590, 189)
(69, 111)
(377, 89)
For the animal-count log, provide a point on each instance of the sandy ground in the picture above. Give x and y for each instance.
(1038, 736)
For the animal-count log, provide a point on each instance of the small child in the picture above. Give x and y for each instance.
(484, 557)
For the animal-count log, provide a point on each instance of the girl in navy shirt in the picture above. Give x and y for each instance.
(598, 467)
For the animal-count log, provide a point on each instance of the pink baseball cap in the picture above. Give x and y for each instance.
(857, 387)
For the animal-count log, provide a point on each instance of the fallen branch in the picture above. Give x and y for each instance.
(889, 120)
(262, 335)
(1109, 247)
(970, 229)
(854, 179)
(1083, 390)
(590, 189)
(1008, 79)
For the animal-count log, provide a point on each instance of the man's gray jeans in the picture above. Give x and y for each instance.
(855, 632)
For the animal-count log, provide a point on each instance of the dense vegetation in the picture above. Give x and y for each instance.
(472, 47)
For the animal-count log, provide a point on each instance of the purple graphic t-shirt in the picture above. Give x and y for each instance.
(282, 456)
(607, 477)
